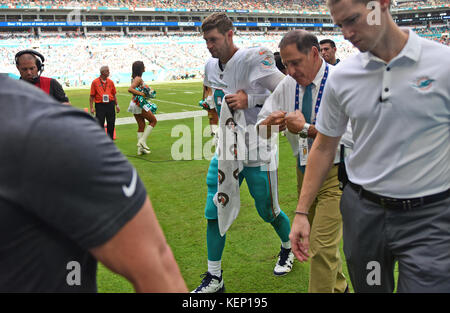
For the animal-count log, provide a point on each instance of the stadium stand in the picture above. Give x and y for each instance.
(166, 57)
(74, 54)
(184, 4)
(306, 5)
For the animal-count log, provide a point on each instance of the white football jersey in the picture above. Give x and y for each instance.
(243, 72)
(252, 70)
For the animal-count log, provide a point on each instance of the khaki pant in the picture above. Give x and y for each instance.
(326, 232)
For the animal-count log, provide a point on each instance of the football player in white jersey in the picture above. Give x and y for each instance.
(243, 78)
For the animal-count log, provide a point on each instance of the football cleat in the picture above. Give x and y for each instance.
(141, 144)
(284, 263)
(141, 151)
(210, 284)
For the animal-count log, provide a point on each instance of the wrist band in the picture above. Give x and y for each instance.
(301, 213)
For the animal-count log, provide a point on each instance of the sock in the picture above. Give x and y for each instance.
(215, 267)
(146, 133)
(286, 245)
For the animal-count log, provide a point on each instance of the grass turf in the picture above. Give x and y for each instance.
(178, 190)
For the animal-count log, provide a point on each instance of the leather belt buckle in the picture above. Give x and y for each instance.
(388, 203)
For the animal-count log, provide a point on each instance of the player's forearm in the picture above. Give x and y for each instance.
(320, 160)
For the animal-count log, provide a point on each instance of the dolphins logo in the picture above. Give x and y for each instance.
(223, 198)
(423, 83)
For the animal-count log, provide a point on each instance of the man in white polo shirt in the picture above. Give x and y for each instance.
(396, 207)
(294, 104)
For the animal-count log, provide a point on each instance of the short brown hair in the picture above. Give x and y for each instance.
(217, 20)
(302, 39)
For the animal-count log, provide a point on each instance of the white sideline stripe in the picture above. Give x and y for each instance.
(177, 103)
(164, 117)
(159, 100)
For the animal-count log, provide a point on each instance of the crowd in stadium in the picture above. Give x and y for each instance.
(183, 4)
(274, 5)
(166, 57)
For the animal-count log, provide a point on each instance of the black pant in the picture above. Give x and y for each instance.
(375, 238)
(106, 111)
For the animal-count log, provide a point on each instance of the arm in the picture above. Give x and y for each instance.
(140, 253)
(206, 92)
(91, 106)
(276, 118)
(241, 100)
(114, 92)
(273, 113)
(136, 82)
(58, 93)
(319, 163)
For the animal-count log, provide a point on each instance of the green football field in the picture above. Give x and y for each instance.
(178, 189)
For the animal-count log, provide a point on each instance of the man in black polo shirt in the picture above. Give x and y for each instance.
(68, 199)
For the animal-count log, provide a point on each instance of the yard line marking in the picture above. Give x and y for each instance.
(177, 103)
(164, 117)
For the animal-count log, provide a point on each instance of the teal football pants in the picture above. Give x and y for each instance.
(262, 185)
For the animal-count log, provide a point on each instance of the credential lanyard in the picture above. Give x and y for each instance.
(319, 96)
(101, 83)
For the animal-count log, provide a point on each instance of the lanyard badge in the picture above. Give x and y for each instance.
(306, 143)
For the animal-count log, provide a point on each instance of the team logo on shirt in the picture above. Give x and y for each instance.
(423, 83)
(223, 198)
(267, 62)
(129, 190)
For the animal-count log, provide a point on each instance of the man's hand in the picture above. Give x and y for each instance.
(92, 110)
(299, 237)
(117, 108)
(237, 101)
(295, 121)
(276, 118)
(312, 132)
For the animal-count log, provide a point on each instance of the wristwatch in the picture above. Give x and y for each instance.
(304, 132)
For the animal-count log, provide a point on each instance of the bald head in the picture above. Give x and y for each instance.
(27, 66)
(26, 57)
